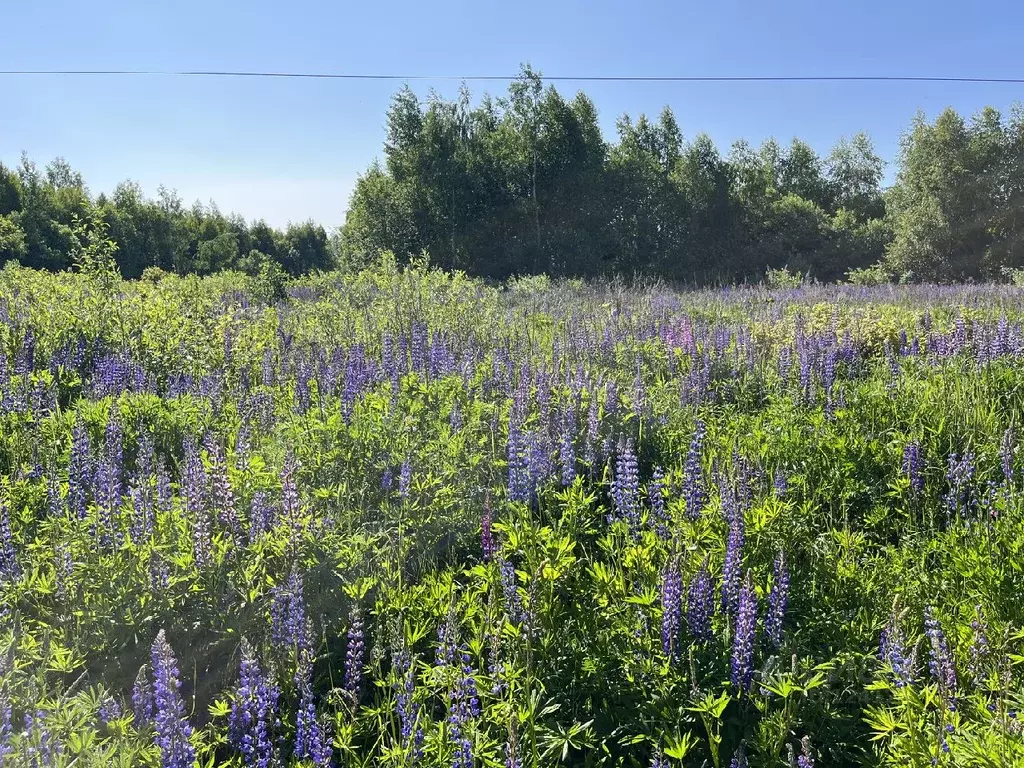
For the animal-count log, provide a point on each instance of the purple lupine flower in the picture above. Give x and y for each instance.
(656, 496)
(354, 655)
(912, 467)
(6, 727)
(742, 662)
(778, 600)
(79, 471)
(221, 494)
(567, 446)
(463, 708)
(291, 508)
(658, 760)
(253, 712)
(940, 660)
(164, 495)
(110, 482)
(961, 498)
(671, 608)
(405, 479)
(510, 588)
(593, 432)
(407, 709)
(892, 650)
(780, 484)
(9, 569)
(488, 545)
(173, 731)
(109, 710)
(1006, 449)
(41, 749)
(733, 565)
(159, 573)
(694, 489)
(806, 758)
(739, 758)
(311, 743)
(142, 699)
(979, 647)
(700, 605)
(193, 492)
(626, 485)
(288, 614)
(261, 516)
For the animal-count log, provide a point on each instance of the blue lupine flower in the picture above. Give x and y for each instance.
(892, 650)
(913, 466)
(510, 588)
(405, 479)
(655, 493)
(288, 614)
(694, 489)
(700, 605)
(253, 713)
(173, 732)
(626, 486)
(9, 569)
(79, 471)
(979, 646)
(488, 545)
(940, 660)
(463, 708)
(311, 743)
(961, 498)
(733, 565)
(806, 759)
(354, 655)
(739, 759)
(742, 663)
(408, 710)
(671, 607)
(142, 699)
(1006, 449)
(778, 600)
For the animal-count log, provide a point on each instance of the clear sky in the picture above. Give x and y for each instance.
(292, 149)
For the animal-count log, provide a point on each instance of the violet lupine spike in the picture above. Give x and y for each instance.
(1006, 450)
(405, 479)
(960, 499)
(656, 495)
(193, 492)
(940, 659)
(739, 759)
(700, 605)
(110, 483)
(778, 600)
(892, 650)
(288, 614)
(42, 749)
(311, 743)
(694, 489)
(253, 713)
(9, 569)
(463, 709)
(406, 707)
(806, 758)
(626, 485)
(742, 663)
(79, 471)
(913, 467)
(173, 732)
(658, 760)
(221, 494)
(780, 485)
(63, 570)
(593, 432)
(354, 655)
(979, 647)
(261, 516)
(142, 699)
(488, 545)
(671, 609)
(510, 589)
(567, 447)
(732, 568)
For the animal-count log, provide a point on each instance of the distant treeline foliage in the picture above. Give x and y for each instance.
(526, 184)
(44, 213)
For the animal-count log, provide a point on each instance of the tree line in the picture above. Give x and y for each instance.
(44, 212)
(525, 183)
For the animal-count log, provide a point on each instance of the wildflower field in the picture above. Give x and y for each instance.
(406, 518)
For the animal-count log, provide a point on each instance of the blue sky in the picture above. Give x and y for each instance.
(290, 150)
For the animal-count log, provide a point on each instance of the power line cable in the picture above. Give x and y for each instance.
(552, 78)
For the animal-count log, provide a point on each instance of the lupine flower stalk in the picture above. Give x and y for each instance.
(742, 664)
(253, 713)
(173, 733)
(778, 600)
(354, 655)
